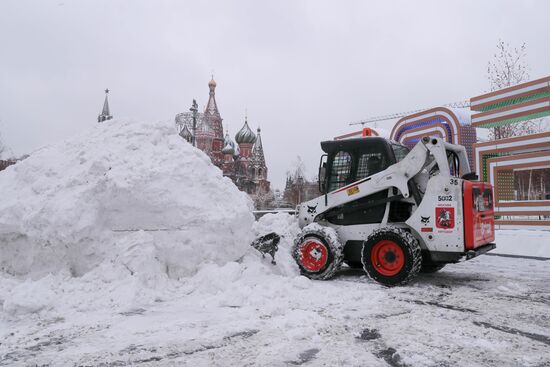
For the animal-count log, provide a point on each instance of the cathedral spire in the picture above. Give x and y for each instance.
(212, 115)
(105, 113)
(258, 151)
(212, 106)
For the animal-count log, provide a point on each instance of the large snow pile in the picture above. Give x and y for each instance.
(125, 195)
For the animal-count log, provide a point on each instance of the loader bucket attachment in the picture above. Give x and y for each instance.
(267, 244)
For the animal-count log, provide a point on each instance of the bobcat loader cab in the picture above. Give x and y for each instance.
(393, 212)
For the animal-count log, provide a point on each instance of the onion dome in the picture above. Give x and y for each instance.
(237, 152)
(245, 135)
(229, 145)
(186, 133)
(212, 83)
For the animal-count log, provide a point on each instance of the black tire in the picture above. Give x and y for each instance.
(355, 264)
(327, 240)
(401, 261)
(431, 268)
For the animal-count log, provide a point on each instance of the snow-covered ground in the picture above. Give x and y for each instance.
(126, 247)
(523, 242)
(490, 311)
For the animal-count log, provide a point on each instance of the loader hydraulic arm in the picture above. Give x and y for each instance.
(430, 154)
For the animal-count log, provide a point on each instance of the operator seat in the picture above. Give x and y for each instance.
(374, 165)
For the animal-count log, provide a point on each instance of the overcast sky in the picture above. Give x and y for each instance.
(302, 69)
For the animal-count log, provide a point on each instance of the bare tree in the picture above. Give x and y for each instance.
(507, 68)
(298, 169)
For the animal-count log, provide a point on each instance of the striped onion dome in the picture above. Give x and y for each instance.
(186, 133)
(245, 135)
(229, 145)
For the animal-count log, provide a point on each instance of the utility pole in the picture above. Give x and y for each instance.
(194, 108)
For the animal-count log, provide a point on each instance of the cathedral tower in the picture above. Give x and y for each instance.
(105, 113)
(213, 119)
(258, 158)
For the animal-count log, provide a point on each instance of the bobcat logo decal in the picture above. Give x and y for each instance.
(312, 209)
(425, 220)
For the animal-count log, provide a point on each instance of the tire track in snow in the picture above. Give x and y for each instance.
(441, 305)
(304, 357)
(224, 342)
(538, 337)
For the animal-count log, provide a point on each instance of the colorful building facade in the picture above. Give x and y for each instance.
(452, 125)
(517, 167)
(242, 159)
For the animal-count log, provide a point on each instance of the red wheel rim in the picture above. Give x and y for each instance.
(313, 255)
(387, 258)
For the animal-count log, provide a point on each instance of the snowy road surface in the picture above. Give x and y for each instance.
(490, 311)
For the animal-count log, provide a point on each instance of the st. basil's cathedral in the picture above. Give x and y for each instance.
(241, 159)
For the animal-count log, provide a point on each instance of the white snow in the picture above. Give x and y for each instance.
(523, 242)
(112, 216)
(126, 247)
(251, 312)
(73, 205)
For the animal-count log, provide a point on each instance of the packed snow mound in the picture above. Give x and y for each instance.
(129, 194)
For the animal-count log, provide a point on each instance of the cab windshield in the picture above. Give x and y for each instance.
(348, 166)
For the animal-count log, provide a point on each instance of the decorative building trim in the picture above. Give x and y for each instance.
(443, 117)
(414, 135)
(509, 164)
(521, 102)
(479, 102)
(509, 146)
(504, 156)
(441, 122)
(512, 114)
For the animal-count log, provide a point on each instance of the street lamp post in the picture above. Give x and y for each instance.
(194, 108)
